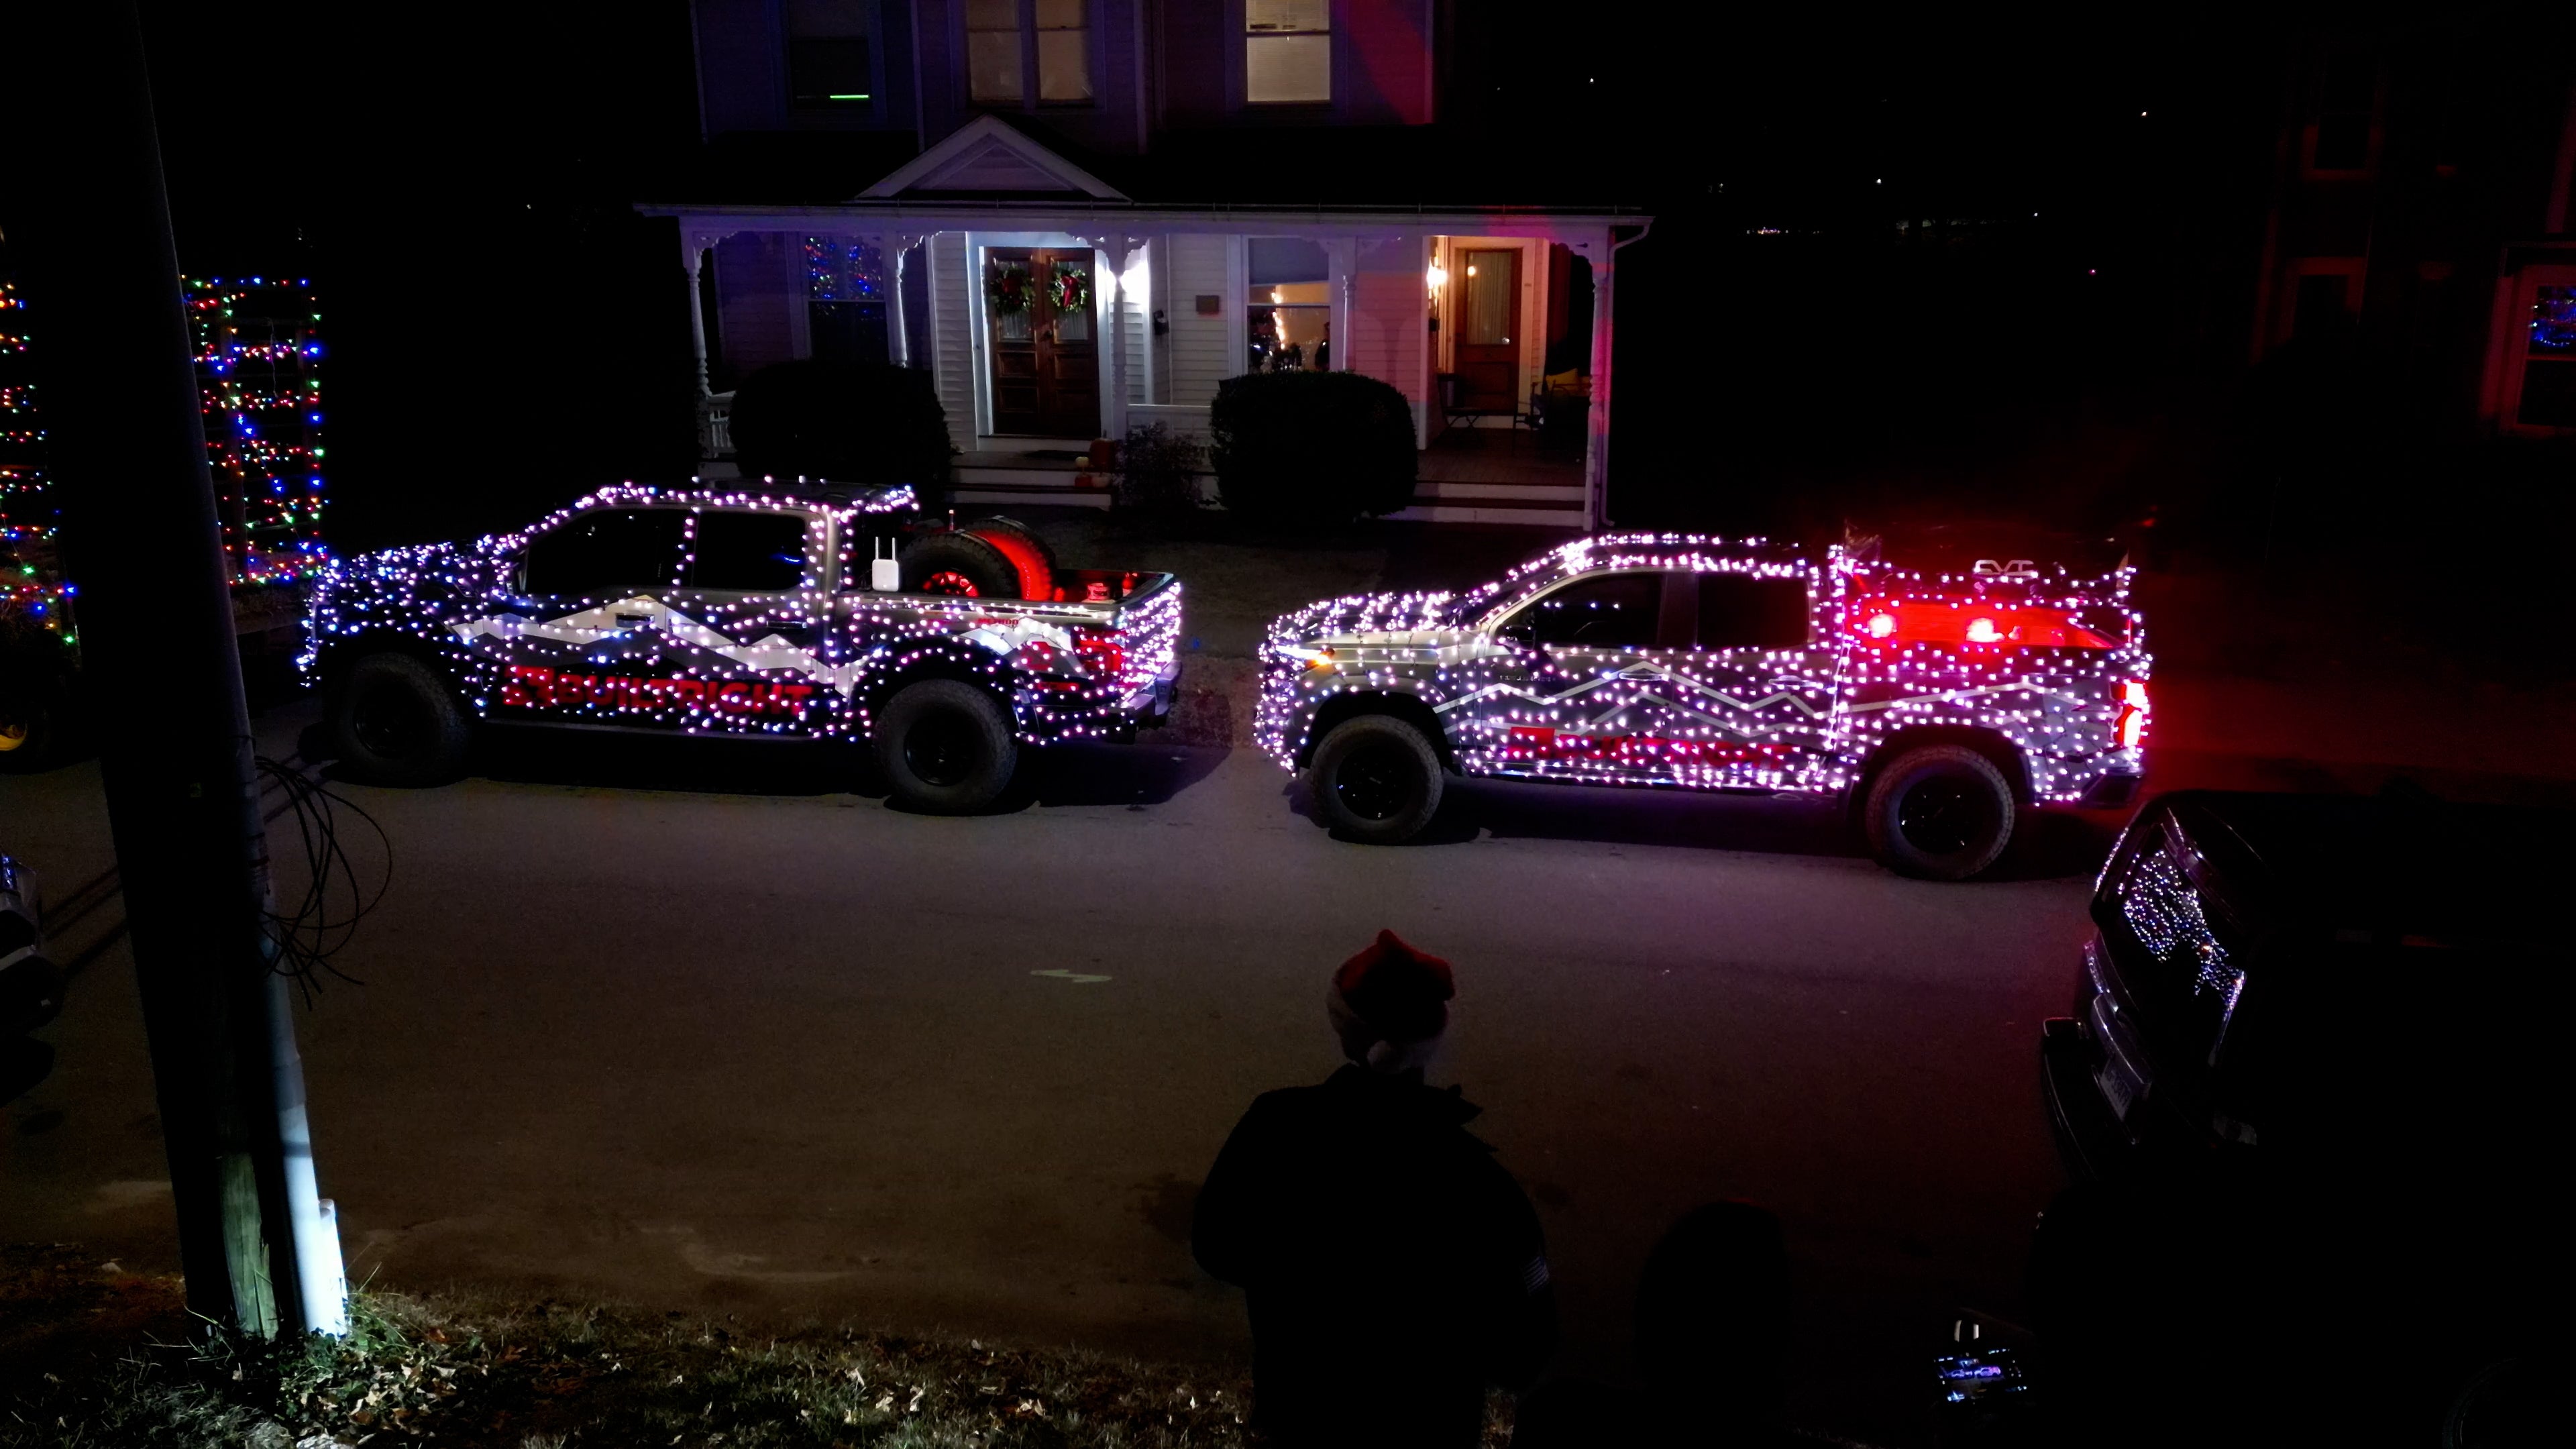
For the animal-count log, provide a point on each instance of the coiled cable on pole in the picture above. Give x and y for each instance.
(314, 929)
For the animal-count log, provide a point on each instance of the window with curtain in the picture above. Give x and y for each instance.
(830, 62)
(1289, 321)
(1287, 52)
(1028, 52)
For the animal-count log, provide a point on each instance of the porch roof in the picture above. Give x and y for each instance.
(1420, 176)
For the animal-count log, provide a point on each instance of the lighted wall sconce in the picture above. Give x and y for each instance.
(1435, 279)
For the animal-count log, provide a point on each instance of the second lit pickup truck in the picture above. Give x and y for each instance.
(1940, 706)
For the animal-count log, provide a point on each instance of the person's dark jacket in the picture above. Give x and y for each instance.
(1392, 1268)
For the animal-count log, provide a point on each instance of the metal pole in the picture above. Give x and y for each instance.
(163, 677)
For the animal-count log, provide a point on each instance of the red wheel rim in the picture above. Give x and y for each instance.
(949, 581)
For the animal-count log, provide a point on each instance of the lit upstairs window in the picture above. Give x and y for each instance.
(1028, 52)
(1287, 52)
(831, 57)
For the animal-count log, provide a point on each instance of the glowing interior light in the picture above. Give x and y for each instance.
(2131, 731)
(1983, 631)
(1882, 626)
(1471, 269)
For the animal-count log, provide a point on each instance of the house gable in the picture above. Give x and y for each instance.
(987, 157)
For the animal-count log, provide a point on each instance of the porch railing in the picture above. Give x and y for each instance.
(715, 425)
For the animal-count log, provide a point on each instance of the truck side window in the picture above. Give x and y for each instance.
(1615, 611)
(605, 551)
(1740, 611)
(754, 552)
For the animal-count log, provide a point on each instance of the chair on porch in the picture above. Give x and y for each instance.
(1558, 409)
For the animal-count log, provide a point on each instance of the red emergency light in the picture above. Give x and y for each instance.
(1972, 622)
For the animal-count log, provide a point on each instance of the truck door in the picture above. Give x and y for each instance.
(1760, 680)
(743, 637)
(591, 593)
(1590, 695)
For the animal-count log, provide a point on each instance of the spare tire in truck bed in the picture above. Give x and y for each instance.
(1027, 552)
(959, 563)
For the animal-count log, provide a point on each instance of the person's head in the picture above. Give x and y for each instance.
(1389, 1004)
(1713, 1311)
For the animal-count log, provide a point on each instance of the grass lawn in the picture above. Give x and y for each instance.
(91, 1355)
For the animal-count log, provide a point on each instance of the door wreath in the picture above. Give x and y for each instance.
(1007, 289)
(1068, 288)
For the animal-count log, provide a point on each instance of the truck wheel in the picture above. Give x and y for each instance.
(31, 725)
(1376, 779)
(958, 563)
(1027, 552)
(394, 721)
(1940, 812)
(946, 746)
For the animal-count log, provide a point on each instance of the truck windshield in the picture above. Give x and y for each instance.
(2175, 945)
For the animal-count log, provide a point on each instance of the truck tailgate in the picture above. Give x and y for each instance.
(1149, 636)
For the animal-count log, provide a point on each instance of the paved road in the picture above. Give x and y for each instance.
(763, 1046)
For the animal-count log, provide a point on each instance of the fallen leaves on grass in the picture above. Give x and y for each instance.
(448, 1371)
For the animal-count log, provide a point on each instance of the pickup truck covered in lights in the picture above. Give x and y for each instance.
(764, 614)
(1940, 706)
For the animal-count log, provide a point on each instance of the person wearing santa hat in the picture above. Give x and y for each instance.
(1391, 1268)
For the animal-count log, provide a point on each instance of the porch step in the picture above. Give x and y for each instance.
(1537, 513)
(1510, 491)
(970, 490)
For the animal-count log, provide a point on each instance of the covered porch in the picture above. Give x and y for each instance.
(1068, 314)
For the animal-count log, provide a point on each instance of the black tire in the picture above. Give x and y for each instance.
(958, 563)
(393, 720)
(34, 721)
(1375, 779)
(1037, 579)
(946, 746)
(1939, 812)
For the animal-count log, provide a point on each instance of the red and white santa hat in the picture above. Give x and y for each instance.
(1390, 1003)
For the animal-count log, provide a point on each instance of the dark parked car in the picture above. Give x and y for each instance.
(2309, 1091)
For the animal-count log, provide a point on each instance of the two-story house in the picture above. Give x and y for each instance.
(1080, 216)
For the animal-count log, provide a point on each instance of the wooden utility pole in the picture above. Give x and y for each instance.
(88, 221)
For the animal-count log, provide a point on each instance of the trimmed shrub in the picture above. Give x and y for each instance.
(1158, 472)
(867, 423)
(1311, 448)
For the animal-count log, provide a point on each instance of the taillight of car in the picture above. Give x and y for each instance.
(2130, 728)
(1102, 653)
(1880, 626)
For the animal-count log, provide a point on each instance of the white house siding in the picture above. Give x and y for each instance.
(952, 335)
(760, 294)
(1138, 321)
(1388, 325)
(1201, 348)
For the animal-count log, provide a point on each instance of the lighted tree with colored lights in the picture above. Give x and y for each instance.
(259, 353)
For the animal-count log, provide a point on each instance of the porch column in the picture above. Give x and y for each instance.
(1113, 412)
(1596, 442)
(693, 252)
(898, 341)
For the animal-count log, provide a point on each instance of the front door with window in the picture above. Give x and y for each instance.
(1044, 350)
(1489, 315)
